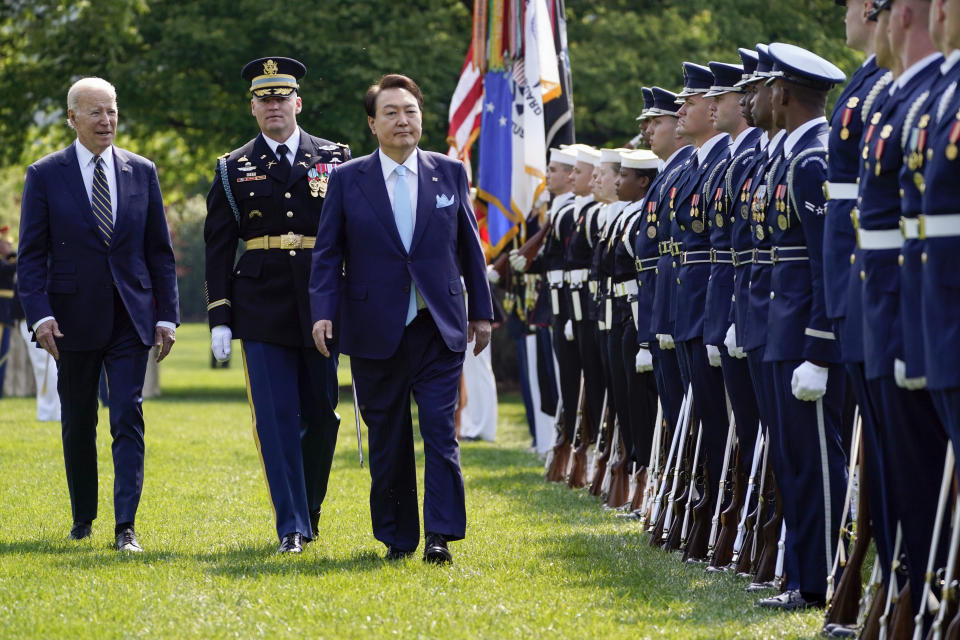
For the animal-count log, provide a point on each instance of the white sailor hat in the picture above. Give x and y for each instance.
(639, 159)
(611, 155)
(588, 154)
(566, 156)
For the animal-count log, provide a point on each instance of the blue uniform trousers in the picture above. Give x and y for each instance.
(670, 387)
(424, 366)
(743, 399)
(293, 397)
(916, 444)
(813, 477)
(124, 359)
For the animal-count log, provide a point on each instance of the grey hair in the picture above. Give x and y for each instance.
(84, 84)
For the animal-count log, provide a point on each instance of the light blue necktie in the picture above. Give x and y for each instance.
(404, 217)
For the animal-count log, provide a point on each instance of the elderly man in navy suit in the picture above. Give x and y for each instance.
(99, 288)
(396, 244)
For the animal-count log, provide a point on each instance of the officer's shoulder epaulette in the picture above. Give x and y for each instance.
(801, 161)
(875, 90)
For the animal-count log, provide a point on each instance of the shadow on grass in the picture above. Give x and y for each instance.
(264, 561)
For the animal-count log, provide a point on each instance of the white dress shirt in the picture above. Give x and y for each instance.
(293, 143)
(87, 162)
(390, 177)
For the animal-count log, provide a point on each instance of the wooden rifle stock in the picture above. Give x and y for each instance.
(770, 534)
(844, 607)
(619, 479)
(502, 266)
(673, 535)
(576, 475)
(723, 547)
(560, 454)
(901, 621)
(603, 455)
(697, 541)
(750, 551)
(946, 615)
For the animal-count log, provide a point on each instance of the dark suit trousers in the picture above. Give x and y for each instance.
(424, 366)
(124, 359)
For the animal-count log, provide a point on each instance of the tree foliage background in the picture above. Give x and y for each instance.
(176, 66)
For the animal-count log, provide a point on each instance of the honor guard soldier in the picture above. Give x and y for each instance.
(808, 381)
(268, 193)
(654, 284)
(638, 170)
(842, 301)
(550, 263)
(721, 214)
(911, 432)
(579, 253)
(940, 259)
(691, 249)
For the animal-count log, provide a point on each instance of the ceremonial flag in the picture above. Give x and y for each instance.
(558, 112)
(495, 168)
(464, 116)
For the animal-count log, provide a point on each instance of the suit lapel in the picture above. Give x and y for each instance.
(74, 180)
(374, 189)
(427, 176)
(124, 178)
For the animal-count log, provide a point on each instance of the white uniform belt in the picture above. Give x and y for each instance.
(940, 226)
(788, 254)
(576, 277)
(645, 264)
(840, 190)
(627, 288)
(910, 228)
(555, 278)
(876, 239)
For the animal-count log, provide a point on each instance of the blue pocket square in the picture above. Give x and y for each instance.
(444, 200)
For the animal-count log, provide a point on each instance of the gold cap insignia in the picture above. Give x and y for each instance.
(270, 67)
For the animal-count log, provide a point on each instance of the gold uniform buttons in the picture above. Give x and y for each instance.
(292, 252)
(900, 260)
(853, 258)
(923, 257)
(772, 295)
(863, 275)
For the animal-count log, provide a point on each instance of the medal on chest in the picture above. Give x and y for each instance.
(318, 176)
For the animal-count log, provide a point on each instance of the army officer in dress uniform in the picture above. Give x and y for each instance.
(269, 193)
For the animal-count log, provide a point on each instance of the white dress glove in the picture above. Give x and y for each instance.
(713, 355)
(492, 274)
(730, 342)
(809, 382)
(517, 261)
(666, 341)
(568, 330)
(900, 377)
(220, 337)
(644, 360)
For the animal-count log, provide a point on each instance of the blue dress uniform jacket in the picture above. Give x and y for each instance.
(360, 236)
(879, 209)
(797, 325)
(941, 263)
(921, 117)
(839, 239)
(265, 297)
(761, 205)
(690, 235)
(65, 269)
(721, 215)
(741, 191)
(646, 254)
(675, 173)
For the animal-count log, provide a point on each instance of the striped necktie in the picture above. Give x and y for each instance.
(100, 202)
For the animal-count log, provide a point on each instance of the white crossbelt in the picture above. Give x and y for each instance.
(871, 239)
(940, 226)
(840, 190)
(627, 288)
(555, 278)
(910, 228)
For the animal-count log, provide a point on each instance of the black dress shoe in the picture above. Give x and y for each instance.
(838, 631)
(314, 524)
(790, 600)
(80, 530)
(291, 543)
(435, 550)
(127, 541)
(395, 553)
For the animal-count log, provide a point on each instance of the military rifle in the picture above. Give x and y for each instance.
(685, 466)
(742, 561)
(721, 490)
(560, 453)
(602, 456)
(745, 510)
(619, 491)
(771, 536)
(576, 471)
(892, 590)
(658, 511)
(678, 463)
(653, 469)
(928, 601)
(847, 528)
(692, 491)
(948, 598)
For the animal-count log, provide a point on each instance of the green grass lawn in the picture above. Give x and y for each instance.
(539, 561)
